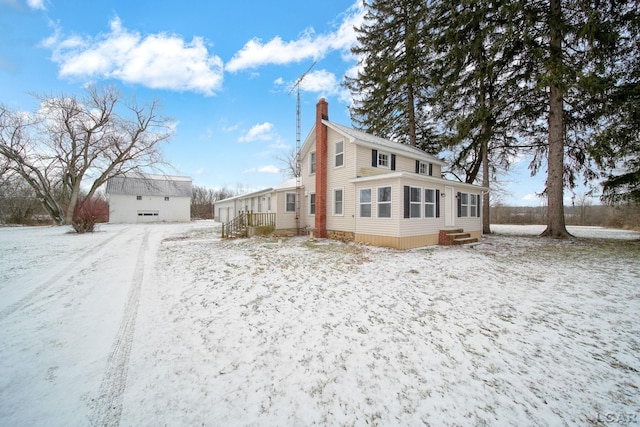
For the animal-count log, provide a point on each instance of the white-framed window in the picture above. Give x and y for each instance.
(339, 153)
(464, 204)
(383, 160)
(312, 204)
(138, 197)
(365, 203)
(259, 204)
(429, 203)
(268, 203)
(473, 205)
(290, 202)
(468, 205)
(414, 202)
(312, 163)
(425, 168)
(166, 198)
(384, 202)
(338, 202)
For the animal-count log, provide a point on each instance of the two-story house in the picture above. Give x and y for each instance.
(359, 187)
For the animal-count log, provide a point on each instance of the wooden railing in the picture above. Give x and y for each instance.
(238, 226)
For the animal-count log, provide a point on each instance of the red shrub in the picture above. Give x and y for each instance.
(88, 213)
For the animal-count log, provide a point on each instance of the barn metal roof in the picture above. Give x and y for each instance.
(150, 185)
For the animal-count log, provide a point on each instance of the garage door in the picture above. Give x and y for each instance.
(148, 216)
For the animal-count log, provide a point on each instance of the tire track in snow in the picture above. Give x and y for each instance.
(107, 407)
(67, 270)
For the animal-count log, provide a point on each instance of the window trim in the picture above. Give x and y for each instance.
(286, 202)
(337, 153)
(312, 196)
(436, 193)
(341, 190)
(361, 203)
(385, 202)
(413, 203)
(312, 163)
(388, 156)
(473, 202)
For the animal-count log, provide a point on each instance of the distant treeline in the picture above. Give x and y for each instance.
(625, 216)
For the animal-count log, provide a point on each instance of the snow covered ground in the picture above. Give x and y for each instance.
(165, 324)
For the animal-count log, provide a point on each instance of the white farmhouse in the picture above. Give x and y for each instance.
(358, 187)
(149, 198)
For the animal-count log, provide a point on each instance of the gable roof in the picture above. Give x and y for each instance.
(150, 185)
(374, 142)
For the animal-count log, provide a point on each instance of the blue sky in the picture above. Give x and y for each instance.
(223, 70)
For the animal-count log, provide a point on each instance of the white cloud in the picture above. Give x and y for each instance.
(260, 132)
(256, 53)
(36, 4)
(531, 197)
(263, 169)
(269, 169)
(158, 61)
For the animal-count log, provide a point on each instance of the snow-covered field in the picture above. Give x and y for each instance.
(150, 325)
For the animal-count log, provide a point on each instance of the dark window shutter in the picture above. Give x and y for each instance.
(407, 202)
(459, 204)
(417, 166)
(393, 162)
(478, 198)
(437, 203)
(430, 169)
(374, 158)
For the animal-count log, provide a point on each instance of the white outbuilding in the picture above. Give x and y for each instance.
(149, 198)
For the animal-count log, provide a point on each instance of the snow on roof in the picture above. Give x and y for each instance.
(289, 183)
(150, 185)
(372, 140)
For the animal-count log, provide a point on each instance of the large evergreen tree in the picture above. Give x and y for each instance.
(475, 84)
(389, 88)
(576, 50)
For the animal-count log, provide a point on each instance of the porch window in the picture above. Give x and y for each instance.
(290, 202)
(365, 203)
(337, 201)
(384, 202)
(463, 200)
(473, 205)
(468, 205)
(414, 200)
(339, 153)
(429, 203)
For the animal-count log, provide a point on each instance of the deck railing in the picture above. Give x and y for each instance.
(238, 226)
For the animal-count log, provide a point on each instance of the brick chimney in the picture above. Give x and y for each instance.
(322, 113)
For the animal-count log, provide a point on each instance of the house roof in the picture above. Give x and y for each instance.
(150, 185)
(372, 141)
(425, 178)
(246, 195)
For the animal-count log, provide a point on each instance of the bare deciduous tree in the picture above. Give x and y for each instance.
(73, 142)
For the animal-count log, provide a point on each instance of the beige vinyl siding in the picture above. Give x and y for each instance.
(309, 183)
(284, 220)
(338, 178)
(374, 225)
(422, 225)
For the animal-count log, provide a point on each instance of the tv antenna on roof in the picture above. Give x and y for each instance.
(297, 171)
